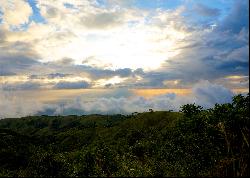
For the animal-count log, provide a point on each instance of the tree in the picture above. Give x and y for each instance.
(190, 109)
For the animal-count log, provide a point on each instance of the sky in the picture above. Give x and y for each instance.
(62, 57)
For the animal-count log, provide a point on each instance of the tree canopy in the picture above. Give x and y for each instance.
(192, 142)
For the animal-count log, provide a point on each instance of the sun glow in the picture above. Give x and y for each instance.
(149, 93)
(129, 46)
(133, 48)
(111, 81)
(236, 77)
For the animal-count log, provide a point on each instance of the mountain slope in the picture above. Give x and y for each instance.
(193, 142)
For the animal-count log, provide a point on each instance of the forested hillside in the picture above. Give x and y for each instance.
(192, 142)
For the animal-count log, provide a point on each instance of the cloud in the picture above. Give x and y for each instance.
(121, 2)
(237, 18)
(15, 12)
(85, 14)
(207, 94)
(203, 10)
(95, 63)
(125, 46)
(243, 35)
(102, 20)
(120, 101)
(239, 54)
(92, 30)
(50, 76)
(56, 75)
(65, 61)
(2, 34)
(204, 94)
(72, 85)
(95, 73)
(15, 63)
(234, 81)
(13, 105)
(4, 72)
(21, 86)
(207, 54)
(15, 56)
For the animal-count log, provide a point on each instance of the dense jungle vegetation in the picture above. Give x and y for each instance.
(192, 142)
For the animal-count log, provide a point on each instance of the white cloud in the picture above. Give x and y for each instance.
(15, 12)
(122, 37)
(122, 101)
(13, 105)
(207, 94)
(204, 94)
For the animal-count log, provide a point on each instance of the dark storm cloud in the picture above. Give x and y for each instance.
(238, 17)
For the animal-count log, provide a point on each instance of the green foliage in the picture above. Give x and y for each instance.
(190, 109)
(192, 142)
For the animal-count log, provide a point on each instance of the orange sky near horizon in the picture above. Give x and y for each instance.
(51, 96)
(148, 93)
